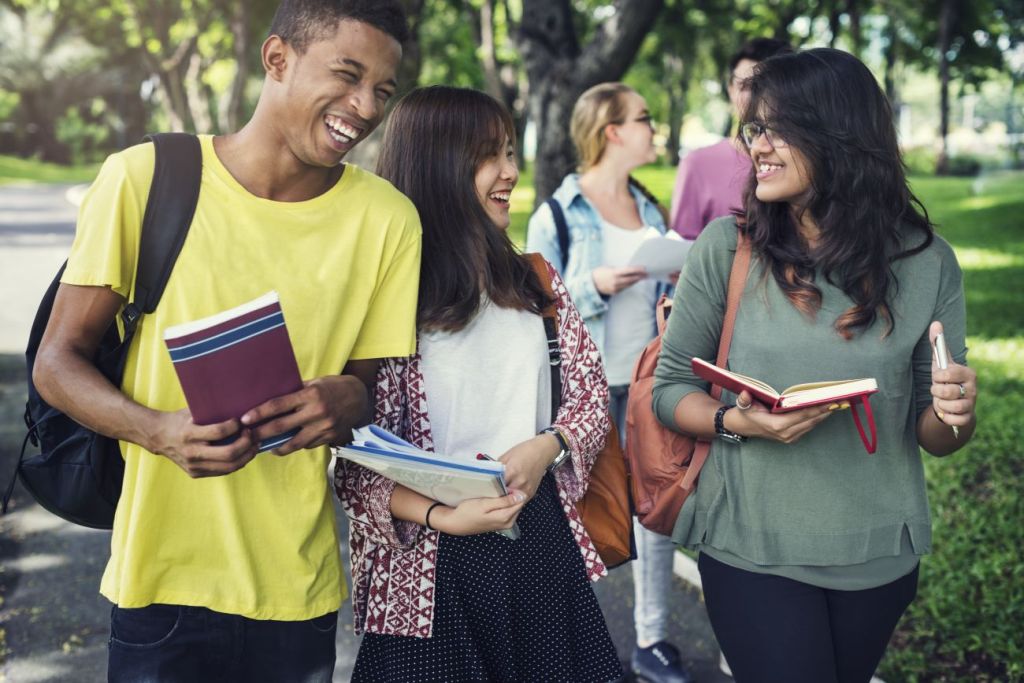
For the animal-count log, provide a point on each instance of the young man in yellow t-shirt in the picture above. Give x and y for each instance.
(224, 563)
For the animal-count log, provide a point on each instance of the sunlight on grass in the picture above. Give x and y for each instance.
(987, 259)
(986, 201)
(1004, 357)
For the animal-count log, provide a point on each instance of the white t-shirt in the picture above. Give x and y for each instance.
(629, 321)
(488, 385)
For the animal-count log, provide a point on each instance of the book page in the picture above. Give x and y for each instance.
(184, 329)
(820, 392)
(450, 486)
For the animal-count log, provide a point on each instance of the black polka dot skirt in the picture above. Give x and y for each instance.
(506, 611)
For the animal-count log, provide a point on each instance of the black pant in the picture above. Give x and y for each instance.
(775, 629)
(178, 644)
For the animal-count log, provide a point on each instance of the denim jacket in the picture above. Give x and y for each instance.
(586, 249)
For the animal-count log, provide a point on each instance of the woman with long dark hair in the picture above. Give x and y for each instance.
(809, 547)
(437, 597)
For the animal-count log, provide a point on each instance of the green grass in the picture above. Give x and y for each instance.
(16, 170)
(967, 620)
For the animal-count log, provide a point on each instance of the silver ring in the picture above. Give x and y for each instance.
(963, 392)
(746, 407)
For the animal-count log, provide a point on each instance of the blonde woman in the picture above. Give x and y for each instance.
(606, 215)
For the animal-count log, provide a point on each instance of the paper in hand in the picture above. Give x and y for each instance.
(661, 255)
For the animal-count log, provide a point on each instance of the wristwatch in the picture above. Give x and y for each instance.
(721, 431)
(563, 453)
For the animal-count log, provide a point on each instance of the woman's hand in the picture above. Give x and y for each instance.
(527, 462)
(954, 390)
(478, 515)
(610, 280)
(758, 421)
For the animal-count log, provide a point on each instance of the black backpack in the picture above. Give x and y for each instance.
(77, 474)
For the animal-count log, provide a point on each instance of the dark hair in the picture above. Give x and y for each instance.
(758, 50)
(827, 105)
(301, 22)
(435, 140)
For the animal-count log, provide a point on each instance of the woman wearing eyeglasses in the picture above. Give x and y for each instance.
(809, 547)
(605, 215)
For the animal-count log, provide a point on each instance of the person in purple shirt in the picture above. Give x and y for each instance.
(711, 179)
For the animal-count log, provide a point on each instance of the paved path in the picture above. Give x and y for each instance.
(37, 224)
(53, 622)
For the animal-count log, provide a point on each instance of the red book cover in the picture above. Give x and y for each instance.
(233, 361)
(842, 393)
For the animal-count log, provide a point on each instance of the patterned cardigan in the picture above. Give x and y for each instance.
(394, 561)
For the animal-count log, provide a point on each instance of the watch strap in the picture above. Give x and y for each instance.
(563, 445)
(720, 428)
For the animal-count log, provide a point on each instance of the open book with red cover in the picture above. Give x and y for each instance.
(841, 393)
(233, 361)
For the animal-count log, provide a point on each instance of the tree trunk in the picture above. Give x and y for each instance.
(892, 50)
(235, 109)
(946, 18)
(501, 80)
(856, 34)
(559, 71)
(678, 72)
(833, 25)
(1012, 129)
(366, 153)
(197, 93)
(41, 128)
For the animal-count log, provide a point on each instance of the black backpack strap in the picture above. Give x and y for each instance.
(173, 196)
(561, 229)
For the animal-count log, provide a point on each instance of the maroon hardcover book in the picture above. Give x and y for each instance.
(233, 361)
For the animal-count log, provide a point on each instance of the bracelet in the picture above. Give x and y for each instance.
(426, 519)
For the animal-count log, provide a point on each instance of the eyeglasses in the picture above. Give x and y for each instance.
(644, 119)
(752, 130)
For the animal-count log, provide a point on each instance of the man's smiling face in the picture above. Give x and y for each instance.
(336, 91)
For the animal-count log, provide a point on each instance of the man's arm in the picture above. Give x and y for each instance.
(66, 378)
(324, 411)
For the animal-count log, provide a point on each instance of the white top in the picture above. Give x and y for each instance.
(488, 385)
(629, 322)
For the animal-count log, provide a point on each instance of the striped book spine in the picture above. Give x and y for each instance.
(234, 361)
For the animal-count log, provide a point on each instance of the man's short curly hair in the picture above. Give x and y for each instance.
(301, 22)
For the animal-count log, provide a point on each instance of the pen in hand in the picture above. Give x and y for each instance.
(942, 360)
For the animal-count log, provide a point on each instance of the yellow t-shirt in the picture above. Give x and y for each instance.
(260, 542)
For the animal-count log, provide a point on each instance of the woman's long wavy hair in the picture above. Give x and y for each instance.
(436, 139)
(828, 106)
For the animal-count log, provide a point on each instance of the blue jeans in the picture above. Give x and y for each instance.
(652, 568)
(171, 643)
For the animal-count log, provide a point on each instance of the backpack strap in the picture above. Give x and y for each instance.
(173, 196)
(561, 230)
(550, 317)
(737, 283)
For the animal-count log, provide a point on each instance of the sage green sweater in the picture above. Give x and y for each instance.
(820, 510)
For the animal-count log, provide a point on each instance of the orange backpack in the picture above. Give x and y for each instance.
(605, 508)
(663, 463)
